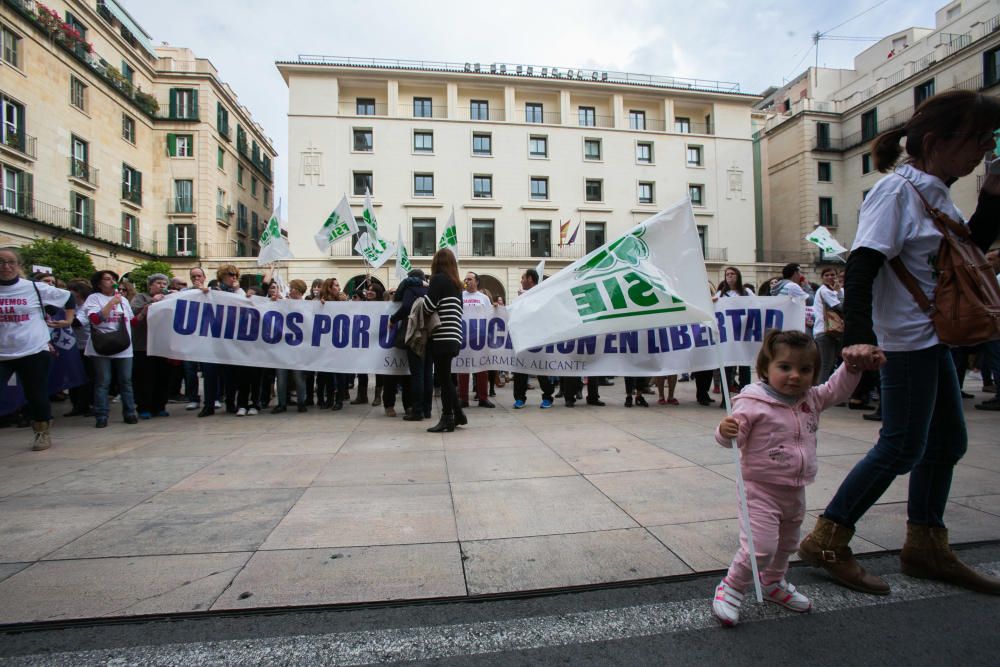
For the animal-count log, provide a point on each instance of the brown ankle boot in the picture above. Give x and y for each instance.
(927, 555)
(826, 547)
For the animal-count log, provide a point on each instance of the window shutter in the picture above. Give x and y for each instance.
(194, 104)
(172, 145)
(173, 103)
(27, 195)
(193, 235)
(137, 185)
(171, 240)
(88, 217)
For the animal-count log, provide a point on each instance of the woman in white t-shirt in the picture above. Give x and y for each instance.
(24, 339)
(103, 310)
(829, 297)
(923, 429)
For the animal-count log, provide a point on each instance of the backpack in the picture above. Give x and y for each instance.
(966, 306)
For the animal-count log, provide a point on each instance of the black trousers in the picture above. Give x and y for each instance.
(33, 374)
(150, 382)
(443, 355)
(521, 387)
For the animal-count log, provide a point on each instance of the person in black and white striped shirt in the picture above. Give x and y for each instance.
(444, 297)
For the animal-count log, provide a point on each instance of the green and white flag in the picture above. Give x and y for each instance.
(403, 265)
(449, 237)
(375, 251)
(368, 215)
(273, 246)
(821, 238)
(652, 276)
(341, 223)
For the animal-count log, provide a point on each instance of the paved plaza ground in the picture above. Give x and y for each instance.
(184, 514)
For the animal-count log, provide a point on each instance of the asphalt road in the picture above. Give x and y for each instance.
(921, 623)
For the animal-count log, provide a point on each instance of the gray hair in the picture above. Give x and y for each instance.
(153, 277)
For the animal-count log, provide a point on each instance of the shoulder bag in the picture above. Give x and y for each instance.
(110, 343)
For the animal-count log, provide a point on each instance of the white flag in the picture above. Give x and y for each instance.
(375, 251)
(368, 215)
(652, 276)
(273, 246)
(449, 237)
(829, 245)
(340, 224)
(540, 270)
(403, 265)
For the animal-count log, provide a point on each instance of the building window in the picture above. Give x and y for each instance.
(594, 232)
(240, 170)
(131, 184)
(682, 125)
(363, 140)
(241, 218)
(220, 205)
(539, 187)
(180, 145)
(253, 186)
(483, 238)
(423, 141)
(540, 235)
(13, 124)
(866, 163)
(697, 194)
(479, 110)
(423, 107)
(482, 187)
(365, 106)
(644, 152)
(869, 125)
(538, 146)
(703, 239)
(10, 46)
(533, 112)
(822, 135)
(645, 192)
(922, 92)
(128, 229)
(183, 240)
(220, 157)
(363, 181)
(482, 143)
(81, 209)
(267, 197)
(991, 67)
(184, 103)
(694, 156)
(636, 120)
(15, 193)
(824, 172)
(587, 116)
(424, 241)
(127, 72)
(594, 189)
(591, 149)
(423, 185)
(81, 158)
(77, 93)
(183, 196)
(222, 119)
(826, 217)
(254, 226)
(128, 128)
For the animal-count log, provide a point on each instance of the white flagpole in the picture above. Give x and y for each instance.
(740, 487)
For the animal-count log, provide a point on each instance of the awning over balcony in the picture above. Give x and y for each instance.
(133, 27)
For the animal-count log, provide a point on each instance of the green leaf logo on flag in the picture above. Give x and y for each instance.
(404, 258)
(629, 250)
(449, 238)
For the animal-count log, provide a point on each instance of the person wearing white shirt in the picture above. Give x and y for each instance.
(24, 339)
(104, 310)
(473, 298)
(829, 297)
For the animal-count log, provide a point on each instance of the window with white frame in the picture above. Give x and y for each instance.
(79, 213)
(13, 122)
(128, 229)
(184, 145)
(77, 93)
(184, 240)
(183, 196)
(11, 189)
(10, 46)
(128, 128)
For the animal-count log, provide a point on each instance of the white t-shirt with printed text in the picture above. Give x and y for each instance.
(23, 330)
(475, 299)
(94, 304)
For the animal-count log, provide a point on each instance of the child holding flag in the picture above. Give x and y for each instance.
(774, 423)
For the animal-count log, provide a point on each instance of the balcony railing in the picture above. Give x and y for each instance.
(649, 125)
(220, 212)
(218, 250)
(546, 117)
(130, 195)
(474, 113)
(22, 143)
(180, 205)
(716, 254)
(693, 128)
(82, 171)
(354, 109)
(596, 121)
(856, 139)
(419, 111)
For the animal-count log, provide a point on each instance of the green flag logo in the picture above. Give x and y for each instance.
(628, 251)
(449, 238)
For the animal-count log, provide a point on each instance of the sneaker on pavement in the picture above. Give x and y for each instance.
(252, 411)
(193, 405)
(726, 604)
(218, 406)
(787, 596)
(242, 412)
(518, 404)
(546, 404)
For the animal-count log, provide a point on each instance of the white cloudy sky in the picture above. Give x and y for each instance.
(754, 44)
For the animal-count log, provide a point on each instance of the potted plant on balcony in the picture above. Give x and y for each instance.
(14, 139)
(147, 103)
(47, 18)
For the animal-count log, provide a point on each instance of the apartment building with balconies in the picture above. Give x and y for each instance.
(129, 150)
(519, 153)
(819, 127)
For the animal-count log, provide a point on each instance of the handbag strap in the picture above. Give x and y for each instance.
(41, 304)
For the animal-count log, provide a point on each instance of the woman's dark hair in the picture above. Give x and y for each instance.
(444, 262)
(95, 280)
(724, 285)
(80, 287)
(796, 340)
(950, 113)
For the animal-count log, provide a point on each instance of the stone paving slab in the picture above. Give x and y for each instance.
(182, 513)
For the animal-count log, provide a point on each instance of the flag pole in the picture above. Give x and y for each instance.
(740, 487)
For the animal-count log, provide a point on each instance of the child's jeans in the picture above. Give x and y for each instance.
(776, 513)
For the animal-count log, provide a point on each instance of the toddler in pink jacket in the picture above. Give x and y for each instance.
(774, 422)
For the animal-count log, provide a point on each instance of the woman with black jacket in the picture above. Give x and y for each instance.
(412, 288)
(444, 297)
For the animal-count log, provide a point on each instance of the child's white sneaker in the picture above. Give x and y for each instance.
(726, 605)
(787, 596)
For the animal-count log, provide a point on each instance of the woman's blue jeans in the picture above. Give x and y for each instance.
(102, 381)
(923, 433)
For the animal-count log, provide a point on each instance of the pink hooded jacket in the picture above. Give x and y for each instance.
(777, 440)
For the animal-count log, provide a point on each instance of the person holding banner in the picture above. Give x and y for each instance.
(923, 428)
(296, 289)
(444, 297)
(473, 297)
(150, 375)
(24, 339)
(227, 280)
(529, 279)
(410, 290)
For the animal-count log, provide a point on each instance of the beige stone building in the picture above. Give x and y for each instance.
(516, 152)
(130, 151)
(818, 128)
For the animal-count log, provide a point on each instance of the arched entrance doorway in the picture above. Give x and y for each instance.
(493, 286)
(353, 283)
